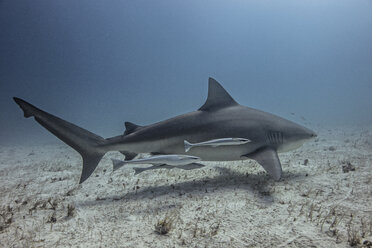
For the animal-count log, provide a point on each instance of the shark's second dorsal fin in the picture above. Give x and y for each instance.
(130, 127)
(217, 97)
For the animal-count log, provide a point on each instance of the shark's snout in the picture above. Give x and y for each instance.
(295, 137)
(307, 133)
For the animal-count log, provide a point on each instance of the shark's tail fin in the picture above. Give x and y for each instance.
(89, 145)
(116, 164)
(188, 145)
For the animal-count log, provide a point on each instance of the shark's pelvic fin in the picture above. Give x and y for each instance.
(217, 97)
(129, 155)
(268, 158)
(130, 127)
(89, 145)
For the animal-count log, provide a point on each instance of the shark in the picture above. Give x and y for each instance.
(218, 118)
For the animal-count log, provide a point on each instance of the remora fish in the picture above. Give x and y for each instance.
(175, 160)
(192, 166)
(220, 116)
(217, 142)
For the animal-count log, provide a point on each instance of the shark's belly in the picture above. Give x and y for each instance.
(206, 153)
(169, 139)
(221, 153)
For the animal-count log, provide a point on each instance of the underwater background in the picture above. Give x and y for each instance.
(100, 63)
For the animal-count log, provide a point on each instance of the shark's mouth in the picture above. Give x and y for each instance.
(289, 146)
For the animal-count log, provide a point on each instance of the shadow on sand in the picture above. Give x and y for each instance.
(228, 180)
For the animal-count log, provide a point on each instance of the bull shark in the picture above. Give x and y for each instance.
(219, 117)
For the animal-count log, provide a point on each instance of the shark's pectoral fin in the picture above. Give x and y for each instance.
(268, 158)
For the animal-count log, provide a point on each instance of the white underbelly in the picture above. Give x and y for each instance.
(176, 146)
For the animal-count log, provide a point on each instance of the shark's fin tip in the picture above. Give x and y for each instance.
(217, 98)
(130, 127)
(28, 109)
(268, 158)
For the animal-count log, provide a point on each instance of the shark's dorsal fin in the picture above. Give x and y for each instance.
(217, 97)
(130, 127)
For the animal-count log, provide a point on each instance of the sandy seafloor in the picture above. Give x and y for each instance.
(225, 204)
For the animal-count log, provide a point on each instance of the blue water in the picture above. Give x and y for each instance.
(100, 63)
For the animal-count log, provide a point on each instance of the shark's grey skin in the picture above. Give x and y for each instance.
(220, 117)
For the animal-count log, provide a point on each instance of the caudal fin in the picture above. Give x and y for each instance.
(188, 145)
(89, 145)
